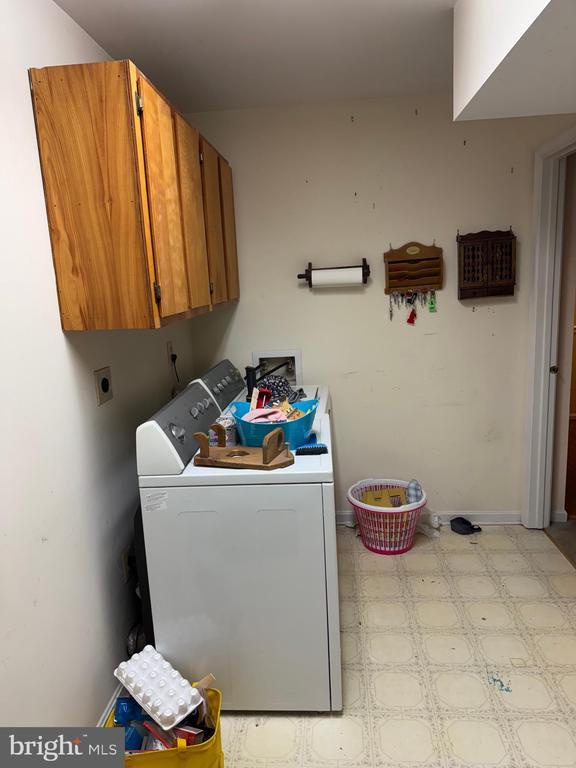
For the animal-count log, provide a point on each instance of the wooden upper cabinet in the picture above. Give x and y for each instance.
(164, 200)
(190, 176)
(85, 128)
(140, 232)
(213, 219)
(229, 229)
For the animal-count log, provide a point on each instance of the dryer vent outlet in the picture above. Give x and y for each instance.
(103, 381)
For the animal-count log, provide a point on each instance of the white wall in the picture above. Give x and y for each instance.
(443, 401)
(67, 467)
(484, 33)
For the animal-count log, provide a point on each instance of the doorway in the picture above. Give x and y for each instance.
(543, 463)
(564, 450)
(570, 496)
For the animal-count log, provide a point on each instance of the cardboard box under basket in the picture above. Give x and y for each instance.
(385, 497)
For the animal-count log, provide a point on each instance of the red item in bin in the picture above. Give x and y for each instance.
(190, 735)
(164, 737)
(264, 397)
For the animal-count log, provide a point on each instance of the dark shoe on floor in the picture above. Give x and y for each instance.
(463, 526)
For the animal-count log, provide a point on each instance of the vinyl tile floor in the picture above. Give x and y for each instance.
(462, 652)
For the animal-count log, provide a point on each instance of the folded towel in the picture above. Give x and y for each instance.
(265, 415)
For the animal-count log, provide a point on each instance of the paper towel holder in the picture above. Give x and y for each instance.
(307, 274)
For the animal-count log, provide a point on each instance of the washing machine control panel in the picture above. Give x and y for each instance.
(224, 382)
(172, 429)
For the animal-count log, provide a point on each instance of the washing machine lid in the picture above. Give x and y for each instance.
(306, 469)
(165, 443)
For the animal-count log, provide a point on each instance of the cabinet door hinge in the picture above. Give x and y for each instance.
(157, 293)
(211, 287)
(139, 104)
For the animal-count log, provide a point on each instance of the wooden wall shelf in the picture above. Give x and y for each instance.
(414, 267)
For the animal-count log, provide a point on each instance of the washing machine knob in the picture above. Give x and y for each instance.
(207, 402)
(200, 407)
(229, 379)
(178, 432)
(194, 412)
(224, 383)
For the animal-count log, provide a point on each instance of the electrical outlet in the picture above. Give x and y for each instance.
(103, 381)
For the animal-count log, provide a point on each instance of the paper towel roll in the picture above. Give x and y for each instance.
(334, 278)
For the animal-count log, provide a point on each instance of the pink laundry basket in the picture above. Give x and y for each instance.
(385, 530)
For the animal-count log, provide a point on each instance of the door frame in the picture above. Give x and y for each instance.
(549, 183)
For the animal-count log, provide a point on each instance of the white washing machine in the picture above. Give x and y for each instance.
(241, 564)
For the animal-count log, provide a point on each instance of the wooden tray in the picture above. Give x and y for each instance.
(273, 454)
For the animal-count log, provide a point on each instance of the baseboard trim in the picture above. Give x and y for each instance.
(558, 516)
(346, 517)
(110, 706)
(501, 517)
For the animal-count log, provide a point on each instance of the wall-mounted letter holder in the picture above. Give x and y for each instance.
(414, 268)
(336, 277)
(486, 264)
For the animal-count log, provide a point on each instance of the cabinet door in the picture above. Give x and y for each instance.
(229, 229)
(472, 274)
(190, 176)
(85, 134)
(501, 276)
(164, 200)
(213, 219)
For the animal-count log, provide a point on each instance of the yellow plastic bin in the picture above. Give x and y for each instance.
(206, 755)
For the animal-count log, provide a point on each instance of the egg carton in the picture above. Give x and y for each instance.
(159, 688)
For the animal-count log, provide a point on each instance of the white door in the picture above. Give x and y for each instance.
(238, 588)
(549, 189)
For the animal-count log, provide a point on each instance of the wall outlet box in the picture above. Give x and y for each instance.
(103, 381)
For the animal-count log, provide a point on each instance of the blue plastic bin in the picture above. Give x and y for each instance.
(296, 432)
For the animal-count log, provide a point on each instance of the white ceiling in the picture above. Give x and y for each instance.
(538, 74)
(220, 54)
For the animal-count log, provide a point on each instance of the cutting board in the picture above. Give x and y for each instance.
(272, 455)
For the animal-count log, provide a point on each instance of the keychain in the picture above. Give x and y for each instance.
(409, 300)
